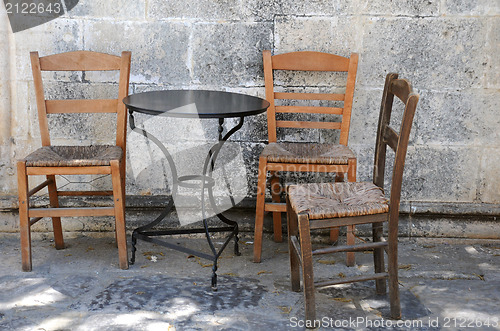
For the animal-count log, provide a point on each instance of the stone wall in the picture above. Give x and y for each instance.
(448, 49)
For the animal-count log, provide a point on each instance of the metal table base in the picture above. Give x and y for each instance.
(147, 232)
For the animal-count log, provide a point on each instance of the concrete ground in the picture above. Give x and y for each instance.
(446, 284)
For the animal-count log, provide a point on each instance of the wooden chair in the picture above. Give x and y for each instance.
(326, 205)
(304, 157)
(51, 160)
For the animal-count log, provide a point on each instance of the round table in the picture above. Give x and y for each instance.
(193, 104)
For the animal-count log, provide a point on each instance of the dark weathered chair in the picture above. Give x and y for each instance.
(326, 205)
(304, 157)
(51, 160)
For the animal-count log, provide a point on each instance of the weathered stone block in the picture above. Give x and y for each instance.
(229, 54)
(165, 60)
(268, 10)
(441, 173)
(194, 9)
(399, 8)
(466, 117)
(433, 53)
(493, 66)
(323, 34)
(489, 174)
(465, 7)
(110, 9)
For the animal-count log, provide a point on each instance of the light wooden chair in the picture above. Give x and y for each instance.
(51, 160)
(304, 157)
(326, 205)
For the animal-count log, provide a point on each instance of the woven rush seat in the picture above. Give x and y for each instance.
(74, 156)
(308, 153)
(332, 200)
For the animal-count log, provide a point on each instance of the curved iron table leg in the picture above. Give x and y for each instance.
(208, 169)
(173, 169)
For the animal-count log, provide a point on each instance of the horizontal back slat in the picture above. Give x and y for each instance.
(308, 125)
(401, 88)
(80, 61)
(309, 110)
(309, 96)
(310, 61)
(72, 212)
(391, 137)
(81, 106)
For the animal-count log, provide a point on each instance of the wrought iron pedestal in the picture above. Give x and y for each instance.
(147, 232)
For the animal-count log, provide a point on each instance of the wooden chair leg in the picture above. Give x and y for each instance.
(56, 221)
(350, 258)
(119, 203)
(24, 222)
(378, 258)
(122, 177)
(307, 267)
(275, 194)
(259, 211)
(293, 231)
(394, 285)
(351, 230)
(392, 266)
(334, 232)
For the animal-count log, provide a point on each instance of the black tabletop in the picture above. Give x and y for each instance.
(195, 103)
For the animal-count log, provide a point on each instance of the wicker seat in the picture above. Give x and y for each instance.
(334, 112)
(307, 153)
(74, 156)
(327, 200)
(323, 206)
(51, 161)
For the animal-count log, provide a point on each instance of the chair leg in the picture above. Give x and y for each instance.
(307, 267)
(394, 287)
(259, 212)
(350, 258)
(275, 193)
(378, 258)
(351, 230)
(56, 221)
(392, 267)
(119, 203)
(24, 222)
(334, 232)
(293, 231)
(122, 178)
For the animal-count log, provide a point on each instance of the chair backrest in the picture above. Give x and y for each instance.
(387, 136)
(82, 61)
(310, 61)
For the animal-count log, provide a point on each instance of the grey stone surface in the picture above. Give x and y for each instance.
(491, 162)
(168, 41)
(456, 61)
(82, 288)
(422, 179)
(196, 10)
(482, 7)
(335, 34)
(220, 58)
(492, 79)
(123, 9)
(400, 8)
(474, 121)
